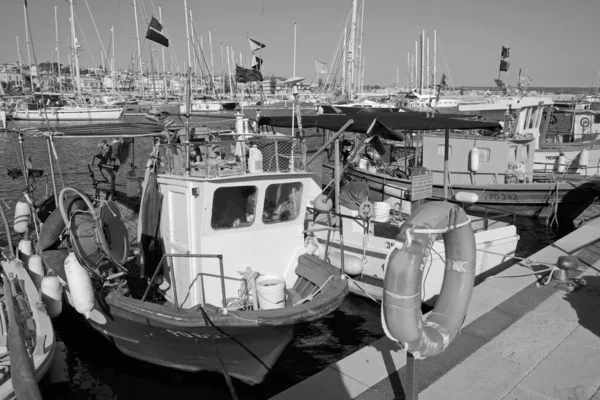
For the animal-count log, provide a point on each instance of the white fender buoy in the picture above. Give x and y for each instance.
(80, 285)
(466, 197)
(562, 163)
(52, 295)
(322, 203)
(474, 159)
(36, 270)
(25, 251)
(21, 217)
(352, 264)
(584, 158)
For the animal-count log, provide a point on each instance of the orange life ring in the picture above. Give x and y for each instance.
(401, 314)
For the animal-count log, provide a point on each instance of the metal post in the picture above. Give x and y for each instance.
(25, 172)
(412, 373)
(446, 149)
(52, 172)
(337, 201)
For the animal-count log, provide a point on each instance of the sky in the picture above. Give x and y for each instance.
(555, 41)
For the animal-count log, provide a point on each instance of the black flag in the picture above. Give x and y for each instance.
(154, 33)
(256, 63)
(505, 52)
(243, 75)
(255, 45)
(504, 65)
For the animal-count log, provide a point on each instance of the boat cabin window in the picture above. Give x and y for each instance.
(512, 154)
(440, 150)
(233, 207)
(597, 119)
(282, 202)
(484, 154)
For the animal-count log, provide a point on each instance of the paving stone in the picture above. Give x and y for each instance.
(484, 375)
(588, 333)
(522, 394)
(509, 284)
(483, 300)
(327, 384)
(569, 372)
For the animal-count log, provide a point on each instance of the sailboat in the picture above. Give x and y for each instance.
(42, 107)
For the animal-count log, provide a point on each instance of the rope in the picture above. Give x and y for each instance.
(428, 231)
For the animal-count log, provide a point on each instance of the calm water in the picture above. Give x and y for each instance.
(97, 370)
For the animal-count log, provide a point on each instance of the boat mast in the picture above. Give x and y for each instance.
(416, 64)
(137, 37)
(193, 46)
(19, 56)
(422, 61)
(112, 61)
(74, 44)
(344, 62)
(162, 50)
(57, 52)
(212, 61)
(28, 52)
(222, 79)
(360, 47)
(153, 74)
(427, 62)
(229, 70)
(434, 56)
(352, 50)
(187, 33)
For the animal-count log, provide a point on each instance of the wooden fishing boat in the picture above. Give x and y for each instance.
(216, 277)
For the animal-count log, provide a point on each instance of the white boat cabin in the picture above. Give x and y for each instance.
(518, 116)
(499, 160)
(213, 205)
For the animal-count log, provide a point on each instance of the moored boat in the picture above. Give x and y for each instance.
(218, 259)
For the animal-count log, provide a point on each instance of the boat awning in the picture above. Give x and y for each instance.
(115, 129)
(387, 123)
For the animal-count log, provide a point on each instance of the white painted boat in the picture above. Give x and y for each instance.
(370, 242)
(69, 114)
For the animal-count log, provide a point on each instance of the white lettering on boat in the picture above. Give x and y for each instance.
(195, 335)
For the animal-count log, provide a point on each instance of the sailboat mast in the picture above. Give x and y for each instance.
(137, 37)
(360, 46)
(112, 60)
(57, 52)
(222, 79)
(19, 56)
(434, 56)
(416, 65)
(344, 62)
(352, 50)
(212, 60)
(74, 44)
(422, 60)
(294, 70)
(193, 44)
(427, 62)
(229, 69)
(27, 41)
(162, 50)
(187, 33)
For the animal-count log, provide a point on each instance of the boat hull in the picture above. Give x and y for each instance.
(495, 250)
(525, 199)
(64, 114)
(546, 157)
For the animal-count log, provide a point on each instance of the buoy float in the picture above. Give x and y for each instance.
(21, 217)
(80, 285)
(36, 270)
(466, 197)
(52, 295)
(25, 251)
(562, 163)
(474, 159)
(323, 203)
(352, 264)
(584, 158)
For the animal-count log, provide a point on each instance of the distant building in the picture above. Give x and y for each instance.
(12, 77)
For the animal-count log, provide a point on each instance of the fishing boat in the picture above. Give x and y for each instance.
(200, 285)
(484, 172)
(368, 239)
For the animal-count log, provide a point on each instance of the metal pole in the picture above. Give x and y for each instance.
(112, 61)
(446, 149)
(412, 373)
(28, 52)
(57, 52)
(52, 172)
(337, 200)
(137, 36)
(77, 74)
(162, 50)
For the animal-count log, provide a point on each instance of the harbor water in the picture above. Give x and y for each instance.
(98, 370)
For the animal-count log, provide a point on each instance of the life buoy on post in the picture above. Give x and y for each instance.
(584, 122)
(401, 314)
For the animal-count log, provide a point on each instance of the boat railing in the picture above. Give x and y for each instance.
(221, 276)
(215, 159)
(497, 214)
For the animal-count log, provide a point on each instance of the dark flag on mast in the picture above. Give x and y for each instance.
(154, 33)
(256, 63)
(505, 52)
(255, 45)
(244, 75)
(504, 65)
